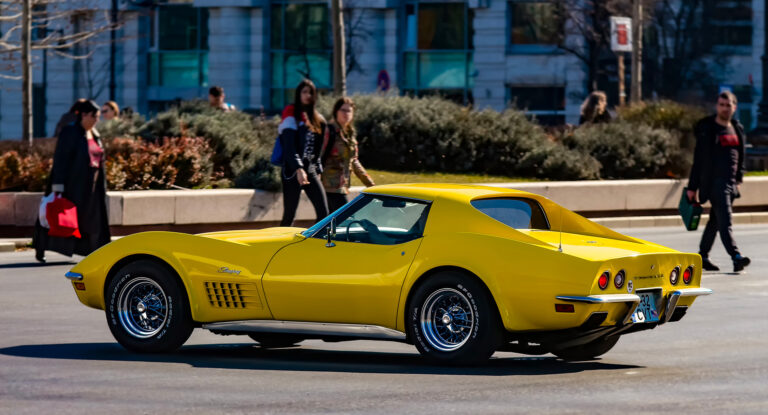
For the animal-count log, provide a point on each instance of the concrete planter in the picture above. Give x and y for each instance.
(231, 206)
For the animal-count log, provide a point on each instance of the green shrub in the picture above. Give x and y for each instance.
(670, 115)
(241, 143)
(134, 164)
(626, 150)
(433, 134)
(125, 126)
(679, 119)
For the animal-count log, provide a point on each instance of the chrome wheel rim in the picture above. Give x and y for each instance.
(447, 319)
(142, 308)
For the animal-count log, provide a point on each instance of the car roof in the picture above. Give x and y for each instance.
(433, 191)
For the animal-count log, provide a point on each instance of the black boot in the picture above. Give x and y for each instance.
(739, 262)
(40, 256)
(709, 266)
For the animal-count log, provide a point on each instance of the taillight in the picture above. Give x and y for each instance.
(602, 282)
(688, 275)
(674, 276)
(619, 279)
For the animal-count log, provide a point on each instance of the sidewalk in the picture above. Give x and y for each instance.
(624, 222)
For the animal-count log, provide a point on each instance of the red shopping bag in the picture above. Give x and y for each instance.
(62, 218)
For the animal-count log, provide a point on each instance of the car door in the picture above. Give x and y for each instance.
(358, 276)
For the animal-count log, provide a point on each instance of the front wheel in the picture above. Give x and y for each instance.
(147, 309)
(452, 319)
(588, 351)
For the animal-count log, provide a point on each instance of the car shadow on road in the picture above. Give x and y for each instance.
(252, 357)
(35, 264)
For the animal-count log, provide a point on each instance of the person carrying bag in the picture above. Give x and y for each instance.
(78, 181)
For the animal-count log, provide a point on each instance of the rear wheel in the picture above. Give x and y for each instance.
(588, 351)
(276, 341)
(452, 319)
(147, 309)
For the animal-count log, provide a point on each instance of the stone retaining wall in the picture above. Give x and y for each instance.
(184, 207)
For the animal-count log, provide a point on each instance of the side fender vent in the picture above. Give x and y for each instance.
(232, 295)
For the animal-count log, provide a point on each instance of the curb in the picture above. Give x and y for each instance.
(674, 220)
(746, 218)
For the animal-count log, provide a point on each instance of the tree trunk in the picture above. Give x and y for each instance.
(637, 52)
(26, 73)
(339, 54)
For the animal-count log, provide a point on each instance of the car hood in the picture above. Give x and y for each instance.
(255, 236)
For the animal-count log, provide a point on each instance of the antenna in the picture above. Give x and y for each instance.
(560, 248)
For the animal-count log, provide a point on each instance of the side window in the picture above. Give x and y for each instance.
(380, 220)
(517, 213)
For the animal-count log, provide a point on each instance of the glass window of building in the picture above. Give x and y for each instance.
(437, 58)
(731, 22)
(534, 23)
(545, 103)
(300, 47)
(744, 95)
(179, 46)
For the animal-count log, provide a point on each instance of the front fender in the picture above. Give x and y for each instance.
(195, 259)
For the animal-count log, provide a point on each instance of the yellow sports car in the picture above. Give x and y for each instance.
(458, 271)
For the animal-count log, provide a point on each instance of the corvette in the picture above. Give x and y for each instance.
(458, 271)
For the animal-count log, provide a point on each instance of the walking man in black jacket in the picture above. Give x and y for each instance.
(717, 172)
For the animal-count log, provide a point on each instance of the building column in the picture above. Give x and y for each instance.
(132, 68)
(490, 55)
(229, 53)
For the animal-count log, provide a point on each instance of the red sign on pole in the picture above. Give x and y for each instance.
(621, 34)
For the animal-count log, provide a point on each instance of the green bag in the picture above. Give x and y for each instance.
(689, 211)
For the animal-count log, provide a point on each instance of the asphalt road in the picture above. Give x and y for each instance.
(57, 356)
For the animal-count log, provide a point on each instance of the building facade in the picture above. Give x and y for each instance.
(488, 53)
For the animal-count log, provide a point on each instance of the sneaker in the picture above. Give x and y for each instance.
(709, 266)
(739, 262)
(40, 257)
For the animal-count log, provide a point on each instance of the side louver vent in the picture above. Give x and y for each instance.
(232, 295)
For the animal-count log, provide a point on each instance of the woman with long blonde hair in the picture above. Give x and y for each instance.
(594, 109)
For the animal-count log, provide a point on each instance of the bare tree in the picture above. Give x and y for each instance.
(357, 34)
(59, 27)
(679, 48)
(586, 30)
(339, 55)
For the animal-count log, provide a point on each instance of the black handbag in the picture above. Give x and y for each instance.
(690, 211)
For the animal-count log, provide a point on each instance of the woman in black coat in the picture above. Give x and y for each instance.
(78, 174)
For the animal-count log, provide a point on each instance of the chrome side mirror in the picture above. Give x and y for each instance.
(330, 232)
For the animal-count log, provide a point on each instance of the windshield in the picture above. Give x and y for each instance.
(324, 223)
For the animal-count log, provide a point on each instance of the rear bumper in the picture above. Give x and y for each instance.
(670, 301)
(595, 327)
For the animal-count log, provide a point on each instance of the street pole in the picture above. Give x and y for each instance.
(339, 53)
(26, 73)
(637, 51)
(112, 52)
(622, 92)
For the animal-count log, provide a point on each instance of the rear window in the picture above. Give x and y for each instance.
(517, 213)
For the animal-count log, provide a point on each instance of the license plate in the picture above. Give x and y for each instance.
(646, 311)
